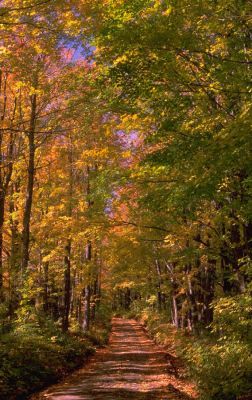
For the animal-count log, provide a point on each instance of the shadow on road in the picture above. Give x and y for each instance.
(132, 367)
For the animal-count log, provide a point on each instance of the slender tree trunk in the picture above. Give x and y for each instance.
(79, 303)
(208, 292)
(30, 185)
(175, 312)
(99, 279)
(127, 298)
(15, 255)
(5, 177)
(87, 293)
(87, 289)
(94, 300)
(2, 192)
(86, 319)
(2, 202)
(79, 310)
(67, 291)
(67, 258)
(159, 282)
(46, 288)
(74, 300)
(174, 287)
(95, 289)
(191, 299)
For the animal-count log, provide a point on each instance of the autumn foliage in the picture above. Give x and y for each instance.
(126, 172)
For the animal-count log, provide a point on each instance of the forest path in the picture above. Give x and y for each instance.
(131, 367)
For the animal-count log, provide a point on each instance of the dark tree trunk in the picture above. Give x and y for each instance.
(208, 286)
(15, 256)
(3, 82)
(5, 177)
(79, 303)
(127, 298)
(54, 301)
(99, 279)
(87, 293)
(46, 288)
(67, 258)
(79, 310)
(87, 289)
(67, 289)
(74, 300)
(30, 185)
(2, 202)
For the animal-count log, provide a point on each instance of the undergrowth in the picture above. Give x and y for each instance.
(221, 362)
(36, 354)
(219, 359)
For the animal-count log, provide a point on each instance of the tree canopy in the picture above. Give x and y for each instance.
(126, 168)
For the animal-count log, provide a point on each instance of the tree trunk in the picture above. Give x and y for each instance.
(94, 300)
(174, 288)
(67, 291)
(30, 185)
(86, 319)
(127, 298)
(191, 299)
(208, 286)
(159, 282)
(87, 289)
(67, 258)
(45, 291)
(2, 202)
(5, 177)
(87, 293)
(175, 319)
(15, 256)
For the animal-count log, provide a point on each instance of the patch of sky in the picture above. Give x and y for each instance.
(80, 51)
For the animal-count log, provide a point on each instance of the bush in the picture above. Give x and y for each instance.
(222, 371)
(219, 361)
(35, 355)
(157, 324)
(222, 364)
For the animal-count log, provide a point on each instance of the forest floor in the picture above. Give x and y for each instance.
(132, 366)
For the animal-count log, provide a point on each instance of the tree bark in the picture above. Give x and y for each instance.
(29, 188)
(2, 202)
(87, 293)
(159, 282)
(94, 300)
(45, 288)
(67, 291)
(5, 171)
(86, 319)
(87, 289)
(175, 319)
(15, 256)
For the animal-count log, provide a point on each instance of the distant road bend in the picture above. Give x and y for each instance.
(131, 367)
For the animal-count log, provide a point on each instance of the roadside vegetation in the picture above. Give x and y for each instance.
(218, 359)
(37, 353)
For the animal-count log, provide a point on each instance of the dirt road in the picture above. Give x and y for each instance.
(131, 367)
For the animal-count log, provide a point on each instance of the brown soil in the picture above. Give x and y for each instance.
(131, 367)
